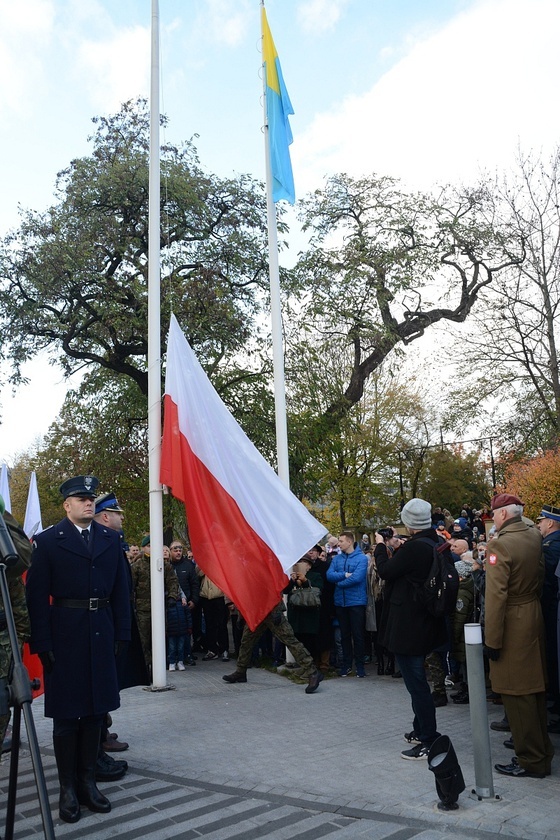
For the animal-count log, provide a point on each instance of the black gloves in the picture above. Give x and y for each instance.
(491, 653)
(47, 660)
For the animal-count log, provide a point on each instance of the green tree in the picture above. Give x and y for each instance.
(452, 477)
(74, 278)
(384, 265)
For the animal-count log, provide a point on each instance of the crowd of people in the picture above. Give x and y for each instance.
(350, 607)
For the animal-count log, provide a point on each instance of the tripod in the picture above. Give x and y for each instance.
(17, 693)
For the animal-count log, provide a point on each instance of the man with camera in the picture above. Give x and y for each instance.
(408, 629)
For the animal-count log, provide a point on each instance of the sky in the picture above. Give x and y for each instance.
(429, 92)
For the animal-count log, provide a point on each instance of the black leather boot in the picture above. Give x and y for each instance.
(380, 665)
(88, 794)
(65, 750)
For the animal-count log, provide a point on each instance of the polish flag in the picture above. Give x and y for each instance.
(246, 528)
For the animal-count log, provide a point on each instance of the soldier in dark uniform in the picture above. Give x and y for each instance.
(78, 564)
(549, 526)
(514, 636)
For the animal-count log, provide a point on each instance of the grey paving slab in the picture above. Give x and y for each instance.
(206, 753)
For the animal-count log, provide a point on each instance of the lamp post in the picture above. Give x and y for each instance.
(479, 713)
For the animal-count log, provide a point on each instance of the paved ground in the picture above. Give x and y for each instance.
(263, 759)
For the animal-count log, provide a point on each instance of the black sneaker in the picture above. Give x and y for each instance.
(417, 753)
(412, 738)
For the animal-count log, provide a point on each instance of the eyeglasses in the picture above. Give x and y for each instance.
(176, 548)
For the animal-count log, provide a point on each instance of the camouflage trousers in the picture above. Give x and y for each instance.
(5, 658)
(144, 621)
(284, 633)
(436, 663)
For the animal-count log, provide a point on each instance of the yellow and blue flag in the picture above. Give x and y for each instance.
(278, 109)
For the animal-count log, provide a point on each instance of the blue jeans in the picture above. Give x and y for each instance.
(175, 649)
(414, 676)
(352, 621)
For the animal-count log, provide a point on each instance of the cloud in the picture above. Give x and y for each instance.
(319, 16)
(117, 68)
(25, 31)
(226, 21)
(461, 99)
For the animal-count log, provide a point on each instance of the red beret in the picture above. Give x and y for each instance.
(503, 499)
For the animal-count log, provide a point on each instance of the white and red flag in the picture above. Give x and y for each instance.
(246, 528)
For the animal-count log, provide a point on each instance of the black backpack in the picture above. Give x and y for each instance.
(438, 593)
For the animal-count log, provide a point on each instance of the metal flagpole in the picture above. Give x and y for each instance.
(276, 315)
(154, 373)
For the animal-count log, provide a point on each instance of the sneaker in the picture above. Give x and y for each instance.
(180, 666)
(361, 672)
(418, 752)
(225, 656)
(345, 671)
(172, 666)
(208, 656)
(412, 738)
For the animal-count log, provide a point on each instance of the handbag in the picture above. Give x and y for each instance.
(310, 597)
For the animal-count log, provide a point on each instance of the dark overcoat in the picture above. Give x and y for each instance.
(84, 677)
(407, 628)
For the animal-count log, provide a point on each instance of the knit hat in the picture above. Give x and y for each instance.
(417, 514)
(464, 569)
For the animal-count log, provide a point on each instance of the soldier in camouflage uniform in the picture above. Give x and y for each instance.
(141, 585)
(17, 599)
(279, 626)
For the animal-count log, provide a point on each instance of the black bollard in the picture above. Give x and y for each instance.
(442, 761)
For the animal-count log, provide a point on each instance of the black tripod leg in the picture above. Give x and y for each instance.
(22, 697)
(46, 816)
(14, 761)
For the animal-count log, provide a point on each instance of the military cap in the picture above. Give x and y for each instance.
(549, 512)
(107, 501)
(80, 485)
(145, 541)
(504, 499)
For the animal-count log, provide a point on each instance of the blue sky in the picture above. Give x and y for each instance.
(427, 91)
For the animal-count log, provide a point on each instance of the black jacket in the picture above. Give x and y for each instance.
(407, 628)
(188, 579)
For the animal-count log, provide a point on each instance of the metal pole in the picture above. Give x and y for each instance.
(154, 373)
(276, 315)
(479, 713)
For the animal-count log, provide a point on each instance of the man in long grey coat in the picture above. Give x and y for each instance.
(514, 636)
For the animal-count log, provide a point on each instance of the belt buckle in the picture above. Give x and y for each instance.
(93, 604)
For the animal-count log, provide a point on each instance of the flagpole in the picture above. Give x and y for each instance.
(154, 373)
(282, 458)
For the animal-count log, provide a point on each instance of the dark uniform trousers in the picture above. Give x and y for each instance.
(527, 719)
(284, 633)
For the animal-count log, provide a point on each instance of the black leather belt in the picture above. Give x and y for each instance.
(81, 604)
